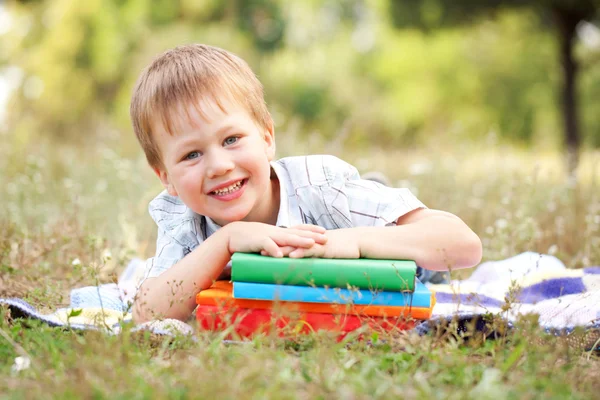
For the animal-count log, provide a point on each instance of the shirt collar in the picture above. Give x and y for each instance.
(289, 212)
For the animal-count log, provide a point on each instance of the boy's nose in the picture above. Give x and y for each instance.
(218, 164)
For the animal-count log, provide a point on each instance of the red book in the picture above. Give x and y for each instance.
(247, 322)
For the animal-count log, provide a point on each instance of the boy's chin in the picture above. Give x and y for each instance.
(224, 221)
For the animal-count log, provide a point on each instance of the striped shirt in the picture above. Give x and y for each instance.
(318, 189)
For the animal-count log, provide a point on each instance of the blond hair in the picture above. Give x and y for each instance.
(183, 77)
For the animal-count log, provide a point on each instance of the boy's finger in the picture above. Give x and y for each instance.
(314, 251)
(294, 241)
(299, 241)
(321, 239)
(286, 250)
(297, 253)
(317, 237)
(310, 227)
(270, 248)
(304, 253)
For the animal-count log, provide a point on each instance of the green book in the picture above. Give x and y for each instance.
(364, 273)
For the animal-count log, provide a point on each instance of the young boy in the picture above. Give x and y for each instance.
(201, 119)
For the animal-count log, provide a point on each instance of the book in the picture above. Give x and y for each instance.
(221, 294)
(363, 273)
(421, 297)
(248, 322)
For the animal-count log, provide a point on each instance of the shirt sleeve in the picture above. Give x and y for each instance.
(178, 234)
(373, 204)
(331, 194)
(168, 252)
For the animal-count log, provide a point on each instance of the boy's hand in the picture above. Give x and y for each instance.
(254, 237)
(305, 227)
(341, 243)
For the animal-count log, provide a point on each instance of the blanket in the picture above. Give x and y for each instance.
(106, 307)
(529, 283)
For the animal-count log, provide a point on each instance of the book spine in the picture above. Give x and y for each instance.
(421, 297)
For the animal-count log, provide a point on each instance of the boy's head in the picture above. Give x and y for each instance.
(185, 77)
(200, 116)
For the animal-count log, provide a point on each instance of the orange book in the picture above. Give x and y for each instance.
(220, 294)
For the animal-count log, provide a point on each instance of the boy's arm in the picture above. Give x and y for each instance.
(173, 293)
(435, 240)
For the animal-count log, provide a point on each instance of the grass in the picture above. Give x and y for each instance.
(68, 364)
(73, 217)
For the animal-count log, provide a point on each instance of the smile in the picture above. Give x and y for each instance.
(235, 187)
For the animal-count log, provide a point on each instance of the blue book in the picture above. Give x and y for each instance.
(421, 297)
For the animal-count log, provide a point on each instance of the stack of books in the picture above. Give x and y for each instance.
(309, 294)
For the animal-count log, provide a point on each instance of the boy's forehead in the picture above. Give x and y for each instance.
(198, 114)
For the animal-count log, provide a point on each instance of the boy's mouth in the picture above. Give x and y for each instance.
(236, 186)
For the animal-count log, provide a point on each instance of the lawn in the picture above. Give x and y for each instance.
(73, 217)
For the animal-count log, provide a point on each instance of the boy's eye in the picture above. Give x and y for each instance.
(230, 140)
(192, 155)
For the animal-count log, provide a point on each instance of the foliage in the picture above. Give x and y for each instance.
(331, 68)
(436, 13)
(566, 16)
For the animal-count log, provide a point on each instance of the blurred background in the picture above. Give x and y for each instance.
(378, 72)
(483, 108)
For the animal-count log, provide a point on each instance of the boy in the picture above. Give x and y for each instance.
(201, 119)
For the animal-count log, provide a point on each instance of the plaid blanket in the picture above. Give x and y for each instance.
(106, 307)
(525, 284)
(529, 283)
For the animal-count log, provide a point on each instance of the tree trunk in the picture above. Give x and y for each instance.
(567, 22)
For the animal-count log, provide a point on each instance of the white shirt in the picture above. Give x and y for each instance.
(318, 189)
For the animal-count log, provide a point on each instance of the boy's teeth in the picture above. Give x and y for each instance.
(229, 189)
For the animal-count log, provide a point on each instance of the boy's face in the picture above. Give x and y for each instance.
(219, 165)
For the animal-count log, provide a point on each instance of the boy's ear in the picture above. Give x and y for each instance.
(164, 178)
(270, 142)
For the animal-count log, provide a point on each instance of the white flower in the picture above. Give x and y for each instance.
(106, 255)
(76, 261)
(20, 364)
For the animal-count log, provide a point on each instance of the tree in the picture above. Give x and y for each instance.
(562, 15)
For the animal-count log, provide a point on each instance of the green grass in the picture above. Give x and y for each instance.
(67, 364)
(74, 217)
